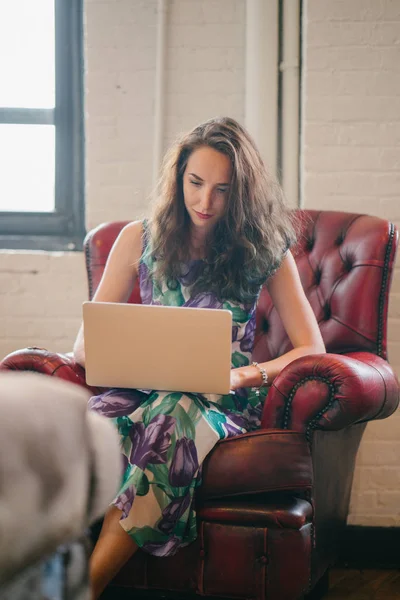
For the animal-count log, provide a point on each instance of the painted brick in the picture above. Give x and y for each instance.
(388, 502)
(353, 57)
(379, 478)
(386, 430)
(365, 501)
(332, 35)
(209, 105)
(357, 158)
(205, 59)
(381, 134)
(357, 183)
(396, 281)
(356, 10)
(192, 12)
(385, 454)
(372, 520)
(193, 36)
(355, 83)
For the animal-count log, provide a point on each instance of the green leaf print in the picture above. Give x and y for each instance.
(238, 314)
(201, 403)
(126, 476)
(161, 496)
(135, 476)
(193, 413)
(171, 449)
(184, 425)
(216, 421)
(239, 360)
(255, 400)
(157, 291)
(166, 406)
(150, 399)
(228, 401)
(160, 477)
(191, 526)
(143, 486)
(124, 425)
(147, 534)
(173, 298)
(126, 445)
(180, 528)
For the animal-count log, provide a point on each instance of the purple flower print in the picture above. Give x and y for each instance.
(150, 444)
(125, 500)
(235, 331)
(168, 548)
(190, 271)
(172, 513)
(246, 344)
(146, 284)
(253, 415)
(116, 402)
(203, 300)
(236, 427)
(184, 463)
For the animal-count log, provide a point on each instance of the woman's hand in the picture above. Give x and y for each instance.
(236, 379)
(245, 377)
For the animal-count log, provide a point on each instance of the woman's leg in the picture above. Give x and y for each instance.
(113, 548)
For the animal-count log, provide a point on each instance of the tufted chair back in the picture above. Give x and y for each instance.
(345, 263)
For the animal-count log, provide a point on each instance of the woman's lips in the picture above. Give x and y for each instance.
(202, 216)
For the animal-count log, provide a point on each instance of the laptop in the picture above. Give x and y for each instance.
(157, 347)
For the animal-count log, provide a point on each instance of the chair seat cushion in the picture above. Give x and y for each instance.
(276, 511)
(262, 461)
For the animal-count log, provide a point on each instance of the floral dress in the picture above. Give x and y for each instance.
(165, 436)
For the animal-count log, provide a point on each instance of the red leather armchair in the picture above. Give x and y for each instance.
(273, 503)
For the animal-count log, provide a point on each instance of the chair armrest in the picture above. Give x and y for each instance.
(331, 392)
(287, 465)
(54, 364)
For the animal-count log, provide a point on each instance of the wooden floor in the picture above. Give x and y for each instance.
(368, 584)
(344, 584)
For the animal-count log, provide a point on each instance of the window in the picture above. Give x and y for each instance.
(41, 124)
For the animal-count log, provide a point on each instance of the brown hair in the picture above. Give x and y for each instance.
(248, 243)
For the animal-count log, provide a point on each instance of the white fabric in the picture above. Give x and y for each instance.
(51, 451)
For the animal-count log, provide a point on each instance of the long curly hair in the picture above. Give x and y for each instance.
(248, 243)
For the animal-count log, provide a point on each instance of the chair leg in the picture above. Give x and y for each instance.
(320, 589)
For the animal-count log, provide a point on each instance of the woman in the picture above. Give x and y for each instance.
(218, 232)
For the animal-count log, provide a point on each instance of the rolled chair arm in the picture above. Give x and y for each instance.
(331, 392)
(40, 360)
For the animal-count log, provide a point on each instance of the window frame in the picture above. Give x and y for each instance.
(64, 228)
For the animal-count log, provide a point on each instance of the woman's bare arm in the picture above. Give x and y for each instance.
(119, 275)
(298, 319)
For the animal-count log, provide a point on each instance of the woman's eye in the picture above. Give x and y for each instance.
(222, 190)
(197, 183)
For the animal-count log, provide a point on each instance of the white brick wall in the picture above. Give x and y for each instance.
(41, 294)
(40, 299)
(351, 161)
(350, 146)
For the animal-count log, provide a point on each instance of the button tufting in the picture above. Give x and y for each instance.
(327, 312)
(348, 264)
(318, 274)
(340, 239)
(265, 326)
(310, 244)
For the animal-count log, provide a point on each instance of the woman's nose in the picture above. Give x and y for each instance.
(206, 200)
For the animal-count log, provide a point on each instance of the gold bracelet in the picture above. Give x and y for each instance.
(264, 376)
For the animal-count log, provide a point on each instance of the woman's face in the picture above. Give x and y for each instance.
(206, 183)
